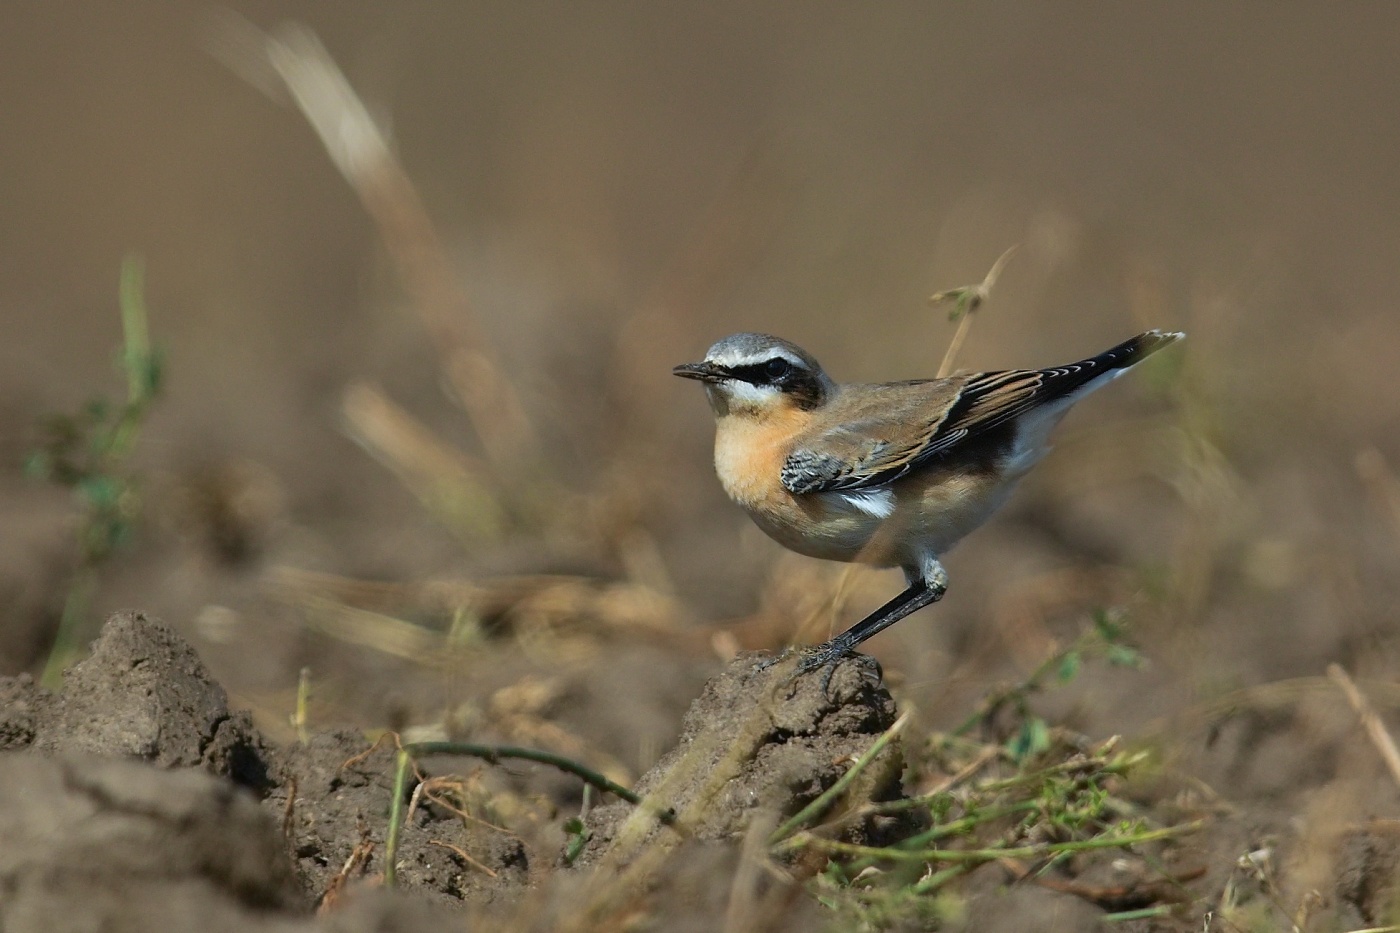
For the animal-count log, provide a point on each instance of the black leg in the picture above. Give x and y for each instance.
(917, 596)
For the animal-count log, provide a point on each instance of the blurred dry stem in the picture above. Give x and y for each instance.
(462, 854)
(383, 633)
(303, 702)
(1375, 471)
(1375, 729)
(361, 150)
(354, 863)
(744, 893)
(447, 482)
(545, 610)
(966, 300)
(451, 793)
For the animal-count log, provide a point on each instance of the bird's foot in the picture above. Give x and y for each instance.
(778, 658)
(827, 658)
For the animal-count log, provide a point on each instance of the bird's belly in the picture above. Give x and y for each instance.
(925, 520)
(822, 526)
(936, 512)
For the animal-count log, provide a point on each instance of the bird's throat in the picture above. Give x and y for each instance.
(749, 454)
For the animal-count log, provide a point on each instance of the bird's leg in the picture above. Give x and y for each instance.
(925, 587)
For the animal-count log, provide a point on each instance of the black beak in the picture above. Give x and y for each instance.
(705, 372)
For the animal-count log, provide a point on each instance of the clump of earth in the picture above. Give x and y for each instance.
(136, 799)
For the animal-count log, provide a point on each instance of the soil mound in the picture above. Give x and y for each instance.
(760, 744)
(142, 693)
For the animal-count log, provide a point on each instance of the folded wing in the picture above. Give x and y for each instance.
(894, 428)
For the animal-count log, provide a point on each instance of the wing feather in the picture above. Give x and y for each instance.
(897, 427)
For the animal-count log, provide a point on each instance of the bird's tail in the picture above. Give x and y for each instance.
(1060, 387)
(1130, 352)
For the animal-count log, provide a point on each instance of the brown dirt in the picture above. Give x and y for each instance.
(190, 820)
(221, 827)
(172, 828)
(755, 745)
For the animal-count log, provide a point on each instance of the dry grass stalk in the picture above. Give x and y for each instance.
(742, 912)
(1375, 729)
(294, 61)
(462, 854)
(289, 811)
(446, 481)
(354, 864)
(436, 789)
(552, 618)
(966, 302)
(987, 755)
(391, 737)
(1381, 482)
(374, 630)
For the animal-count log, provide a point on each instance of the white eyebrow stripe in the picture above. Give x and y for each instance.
(777, 353)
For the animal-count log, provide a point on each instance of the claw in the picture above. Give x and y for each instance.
(821, 656)
(826, 658)
(776, 659)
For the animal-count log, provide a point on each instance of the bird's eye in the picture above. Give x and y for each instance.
(777, 368)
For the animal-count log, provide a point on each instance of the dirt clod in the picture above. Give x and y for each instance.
(99, 843)
(1368, 876)
(342, 801)
(23, 704)
(757, 741)
(144, 693)
(173, 841)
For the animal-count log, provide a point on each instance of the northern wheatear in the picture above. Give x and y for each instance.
(892, 474)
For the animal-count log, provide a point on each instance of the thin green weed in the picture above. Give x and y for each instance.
(89, 453)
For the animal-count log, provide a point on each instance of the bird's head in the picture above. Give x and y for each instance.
(756, 375)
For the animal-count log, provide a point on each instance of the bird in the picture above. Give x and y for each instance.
(890, 474)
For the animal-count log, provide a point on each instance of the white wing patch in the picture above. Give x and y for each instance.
(877, 503)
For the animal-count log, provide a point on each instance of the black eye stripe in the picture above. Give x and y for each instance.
(760, 374)
(798, 382)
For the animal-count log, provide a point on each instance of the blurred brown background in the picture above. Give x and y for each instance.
(618, 185)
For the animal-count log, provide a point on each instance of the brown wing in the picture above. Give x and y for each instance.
(898, 427)
(891, 429)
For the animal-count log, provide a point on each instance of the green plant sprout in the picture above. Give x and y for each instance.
(1104, 639)
(88, 452)
(1036, 799)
